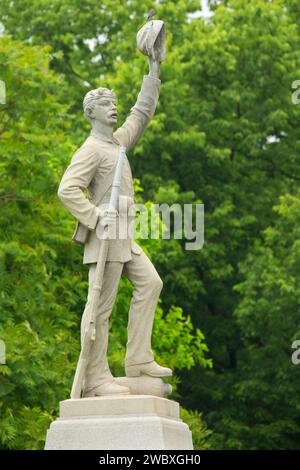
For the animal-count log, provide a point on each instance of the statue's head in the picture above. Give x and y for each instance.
(100, 105)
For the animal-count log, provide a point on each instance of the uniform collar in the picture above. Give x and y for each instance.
(113, 140)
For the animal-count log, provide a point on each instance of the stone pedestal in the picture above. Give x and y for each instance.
(132, 422)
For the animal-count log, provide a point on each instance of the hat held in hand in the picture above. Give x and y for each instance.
(151, 39)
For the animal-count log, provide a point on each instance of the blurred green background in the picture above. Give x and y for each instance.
(225, 134)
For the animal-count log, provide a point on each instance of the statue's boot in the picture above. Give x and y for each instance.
(109, 388)
(149, 368)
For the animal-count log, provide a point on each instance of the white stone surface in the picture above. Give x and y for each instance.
(145, 385)
(133, 422)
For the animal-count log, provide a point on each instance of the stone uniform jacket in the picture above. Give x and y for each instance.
(91, 165)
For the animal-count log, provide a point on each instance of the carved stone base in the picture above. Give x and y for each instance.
(132, 422)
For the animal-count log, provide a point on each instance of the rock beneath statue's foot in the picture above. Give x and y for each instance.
(110, 388)
(151, 368)
(145, 385)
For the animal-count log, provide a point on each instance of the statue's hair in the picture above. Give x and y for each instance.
(92, 96)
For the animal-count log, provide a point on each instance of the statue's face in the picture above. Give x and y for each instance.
(105, 110)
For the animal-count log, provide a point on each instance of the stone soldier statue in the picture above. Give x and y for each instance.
(92, 168)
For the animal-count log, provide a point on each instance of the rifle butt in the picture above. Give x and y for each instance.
(78, 379)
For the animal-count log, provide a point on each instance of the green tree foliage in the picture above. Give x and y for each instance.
(226, 134)
(268, 315)
(34, 321)
(243, 86)
(202, 437)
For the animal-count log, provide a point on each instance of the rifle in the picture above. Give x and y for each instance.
(90, 333)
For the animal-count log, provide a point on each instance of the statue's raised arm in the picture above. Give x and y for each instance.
(151, 42)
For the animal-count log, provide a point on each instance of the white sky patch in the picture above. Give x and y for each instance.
(96, 59)
(273, 139)
(93, 42)
(2, 92)
(203, 12)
